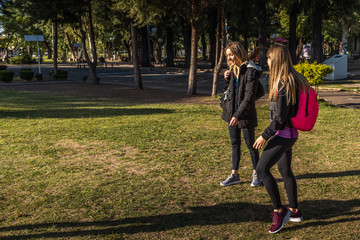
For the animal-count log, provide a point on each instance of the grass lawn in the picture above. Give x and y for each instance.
(97, 168)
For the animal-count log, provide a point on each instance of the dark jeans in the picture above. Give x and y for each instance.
(235, 138)
(278, 150)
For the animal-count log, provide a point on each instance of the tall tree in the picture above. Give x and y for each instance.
(53, 11)
(318, 9)
(221, 34)
(138, 14)
(84, 29)
(261, 6)
(193, 11)
(13, 27)
(346, 13)
(293, 13)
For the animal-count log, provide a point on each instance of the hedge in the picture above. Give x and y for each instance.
(6, 76)
(61, 74)
(26, 73)
(314, 72)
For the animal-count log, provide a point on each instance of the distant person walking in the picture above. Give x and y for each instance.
(284, 91)
(239, 109)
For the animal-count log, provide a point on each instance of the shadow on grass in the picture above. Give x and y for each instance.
(329, 174)
(82, 112)
(317, 211)
(208, 215)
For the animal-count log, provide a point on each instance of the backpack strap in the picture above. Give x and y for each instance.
(307, 104)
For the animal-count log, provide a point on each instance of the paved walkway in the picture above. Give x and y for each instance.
(341, 98)
(173, 79)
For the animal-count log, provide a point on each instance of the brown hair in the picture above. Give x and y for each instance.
(239, 53)
(238, 50)
(282, 70)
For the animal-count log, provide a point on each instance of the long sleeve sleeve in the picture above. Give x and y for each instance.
(280, 117)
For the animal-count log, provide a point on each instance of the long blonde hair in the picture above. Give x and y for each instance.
(239, 53)
(282, 70)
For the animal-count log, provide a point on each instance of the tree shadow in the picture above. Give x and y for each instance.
(329, 174)
(325, 175)
(317, 211)
(320, 211)
(207, 215)
(82, 112)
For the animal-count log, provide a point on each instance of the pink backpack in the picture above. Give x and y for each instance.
(307, 112)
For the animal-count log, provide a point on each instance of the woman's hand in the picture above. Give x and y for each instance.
(233, 122)
(227, 74)
(259, 143)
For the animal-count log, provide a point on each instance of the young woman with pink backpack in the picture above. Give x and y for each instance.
(285, 87)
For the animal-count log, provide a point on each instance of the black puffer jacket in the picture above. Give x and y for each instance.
(244, 105)
(281, 113)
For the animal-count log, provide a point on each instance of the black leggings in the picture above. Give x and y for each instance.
(278, 150)
(235, 137)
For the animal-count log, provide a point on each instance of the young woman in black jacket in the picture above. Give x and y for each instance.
(284, 91)
(239, 109)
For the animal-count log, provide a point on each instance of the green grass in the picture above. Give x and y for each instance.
(87, 168)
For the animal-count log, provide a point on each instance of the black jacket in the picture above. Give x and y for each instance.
(244, 108)
(280, 114)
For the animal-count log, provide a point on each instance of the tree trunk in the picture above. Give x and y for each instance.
(193, 61)
(55, 45)
(218, 37)
(204, 47)
(221, 58)
(70, 46)
(135, 56)
(7, 60)
(48, 47)
(169, 47)
(299, 49)
(212, 36)
(262, 32)
(144, 48)
(292, 31)
(93, 52)
(158, 56)
(344, 38)
(187, 43)
(316, 46)
(91, 37)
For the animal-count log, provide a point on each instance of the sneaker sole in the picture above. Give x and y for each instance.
(286, 218)
(229, 184)
(296, 219)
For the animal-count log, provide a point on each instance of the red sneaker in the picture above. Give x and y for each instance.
(296, 216)
(279, 220)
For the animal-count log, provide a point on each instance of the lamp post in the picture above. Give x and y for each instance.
(111, 42)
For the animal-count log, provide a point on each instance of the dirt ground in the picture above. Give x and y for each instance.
(117, 91)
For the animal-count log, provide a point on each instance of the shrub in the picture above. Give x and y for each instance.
(101, 59)
(38, 76)
(23, 59)
(3, 67)
(26, 74)
(6, 76)
(61, 74)
(314, 72)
